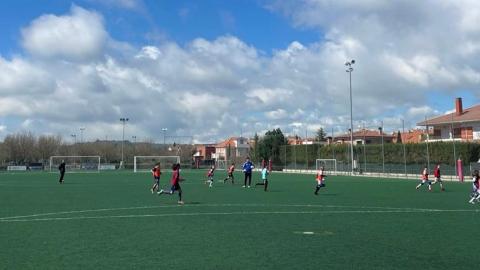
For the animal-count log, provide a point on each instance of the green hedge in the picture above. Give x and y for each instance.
(439, 152)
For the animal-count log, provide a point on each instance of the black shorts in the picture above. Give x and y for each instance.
(156, 180)
(230, 174)
(175, 187)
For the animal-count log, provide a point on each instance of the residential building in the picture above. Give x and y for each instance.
(232, 148)
(365, 136)
(460, 125)
(204, 152)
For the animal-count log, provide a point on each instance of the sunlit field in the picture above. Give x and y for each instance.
(112, 221)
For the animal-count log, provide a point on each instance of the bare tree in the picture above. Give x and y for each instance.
(47, 146)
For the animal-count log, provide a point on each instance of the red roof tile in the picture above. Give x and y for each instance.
(469, 115)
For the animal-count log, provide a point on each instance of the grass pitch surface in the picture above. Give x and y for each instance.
(112, 221)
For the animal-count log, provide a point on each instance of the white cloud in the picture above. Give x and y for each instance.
(74, 74)
(79, 35)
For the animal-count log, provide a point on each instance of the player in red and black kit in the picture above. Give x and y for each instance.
(231, 169)
(175, 181)
(438, 178)
(475, 196)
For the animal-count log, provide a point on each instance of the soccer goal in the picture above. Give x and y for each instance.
(221, 164)
(330, 165)
(76, 163)
(146, 163)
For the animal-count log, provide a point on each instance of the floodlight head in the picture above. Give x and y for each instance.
(353, 61)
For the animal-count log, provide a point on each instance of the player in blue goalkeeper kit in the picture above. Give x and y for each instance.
(247, 170)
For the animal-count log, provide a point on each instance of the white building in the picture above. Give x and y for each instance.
(461, 125)
(231, 148)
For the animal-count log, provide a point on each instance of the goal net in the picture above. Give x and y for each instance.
(221, 164)
(330, 165)
(146, 163)
(76, 163)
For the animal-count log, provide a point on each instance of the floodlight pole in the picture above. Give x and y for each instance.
(74, 136)
(81, 134)
(364, 149)
(383, 148)
(350, 70)
(123, 120)
(404, 151)
(164, 134)
(134, 143)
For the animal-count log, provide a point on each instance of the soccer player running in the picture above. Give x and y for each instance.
(320, 177)
(438, 179)
(475, 196)
(425, 179)
(230, 171)
(247, 170)
(156, 178)
(175, 181)
(210, 175)
(264, 178)
(61, 168)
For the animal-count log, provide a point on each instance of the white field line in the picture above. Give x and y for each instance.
(209, 205)
(236, 213)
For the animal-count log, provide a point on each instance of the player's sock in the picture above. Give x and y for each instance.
(266, 185)
(317, 189)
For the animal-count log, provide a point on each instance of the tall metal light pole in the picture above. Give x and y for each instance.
(364, 149)
(81, 134)
(74, 136)
(350, 70)
(134, 143)
(383, 149)
(404, 151)
(164, 134)
(124, 121)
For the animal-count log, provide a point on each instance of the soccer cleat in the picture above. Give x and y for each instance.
(248, 186)
(181, 202)
(243, 186)
(151, 190)
(160, 192)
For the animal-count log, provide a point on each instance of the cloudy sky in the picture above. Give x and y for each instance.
(213, 68)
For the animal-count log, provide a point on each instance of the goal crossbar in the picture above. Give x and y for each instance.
(330, 165)
(150, 161)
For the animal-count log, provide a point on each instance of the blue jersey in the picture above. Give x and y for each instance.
(248, 167)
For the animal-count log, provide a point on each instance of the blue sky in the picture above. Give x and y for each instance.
(211, 69)
(153, 21)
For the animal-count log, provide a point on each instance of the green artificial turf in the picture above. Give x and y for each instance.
(112, 221)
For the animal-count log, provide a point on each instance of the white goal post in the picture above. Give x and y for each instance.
(221, 164)
(146, 163)
(330, 165)
(76, 163)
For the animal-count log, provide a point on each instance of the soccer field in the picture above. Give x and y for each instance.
(112, 221)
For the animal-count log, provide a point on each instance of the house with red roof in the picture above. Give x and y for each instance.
(232, 148)
(460, 125)
(365, 136)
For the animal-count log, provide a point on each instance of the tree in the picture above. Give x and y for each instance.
(269, 146)
(47, 146)
(320, 135)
